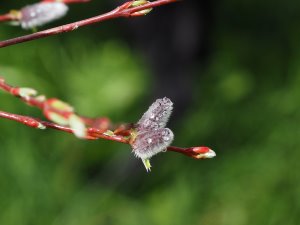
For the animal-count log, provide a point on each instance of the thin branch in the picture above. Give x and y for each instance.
(97, 128)
(125, 10)
(29, 121)
(44, 104)
(6, 17)
(93, 133)
(15, 91)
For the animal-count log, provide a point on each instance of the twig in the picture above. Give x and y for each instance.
(15, 91)
(98, 128)
(29, 121)
(6, 17)
(93, 133)
(44, 104)
(125, 10)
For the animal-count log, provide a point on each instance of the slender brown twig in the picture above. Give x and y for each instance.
(93, 133)
(97, 128)
(27, 95)
(125, 10)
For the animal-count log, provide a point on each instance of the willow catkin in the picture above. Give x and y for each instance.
(149, 143)
(41, 13)
(157, 115)
(152, 137)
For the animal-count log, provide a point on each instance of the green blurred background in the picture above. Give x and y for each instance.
(243, 101)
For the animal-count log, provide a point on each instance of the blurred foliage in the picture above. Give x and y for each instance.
(247, 110)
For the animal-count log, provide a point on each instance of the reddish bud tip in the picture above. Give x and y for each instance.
(202, 152)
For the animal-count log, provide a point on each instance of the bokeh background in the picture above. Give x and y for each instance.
(232, 68)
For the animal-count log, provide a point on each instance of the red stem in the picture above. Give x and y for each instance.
(5, 17)
(30, 101)
(186, 151)
(29, 121)
(121, 11)
(121, 133)
(93, 133)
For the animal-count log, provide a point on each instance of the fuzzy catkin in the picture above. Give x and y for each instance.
(152, 136)
(41, 13)
(149, 143)
(157, 115)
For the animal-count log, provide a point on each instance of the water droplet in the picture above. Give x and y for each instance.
(166, 138)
